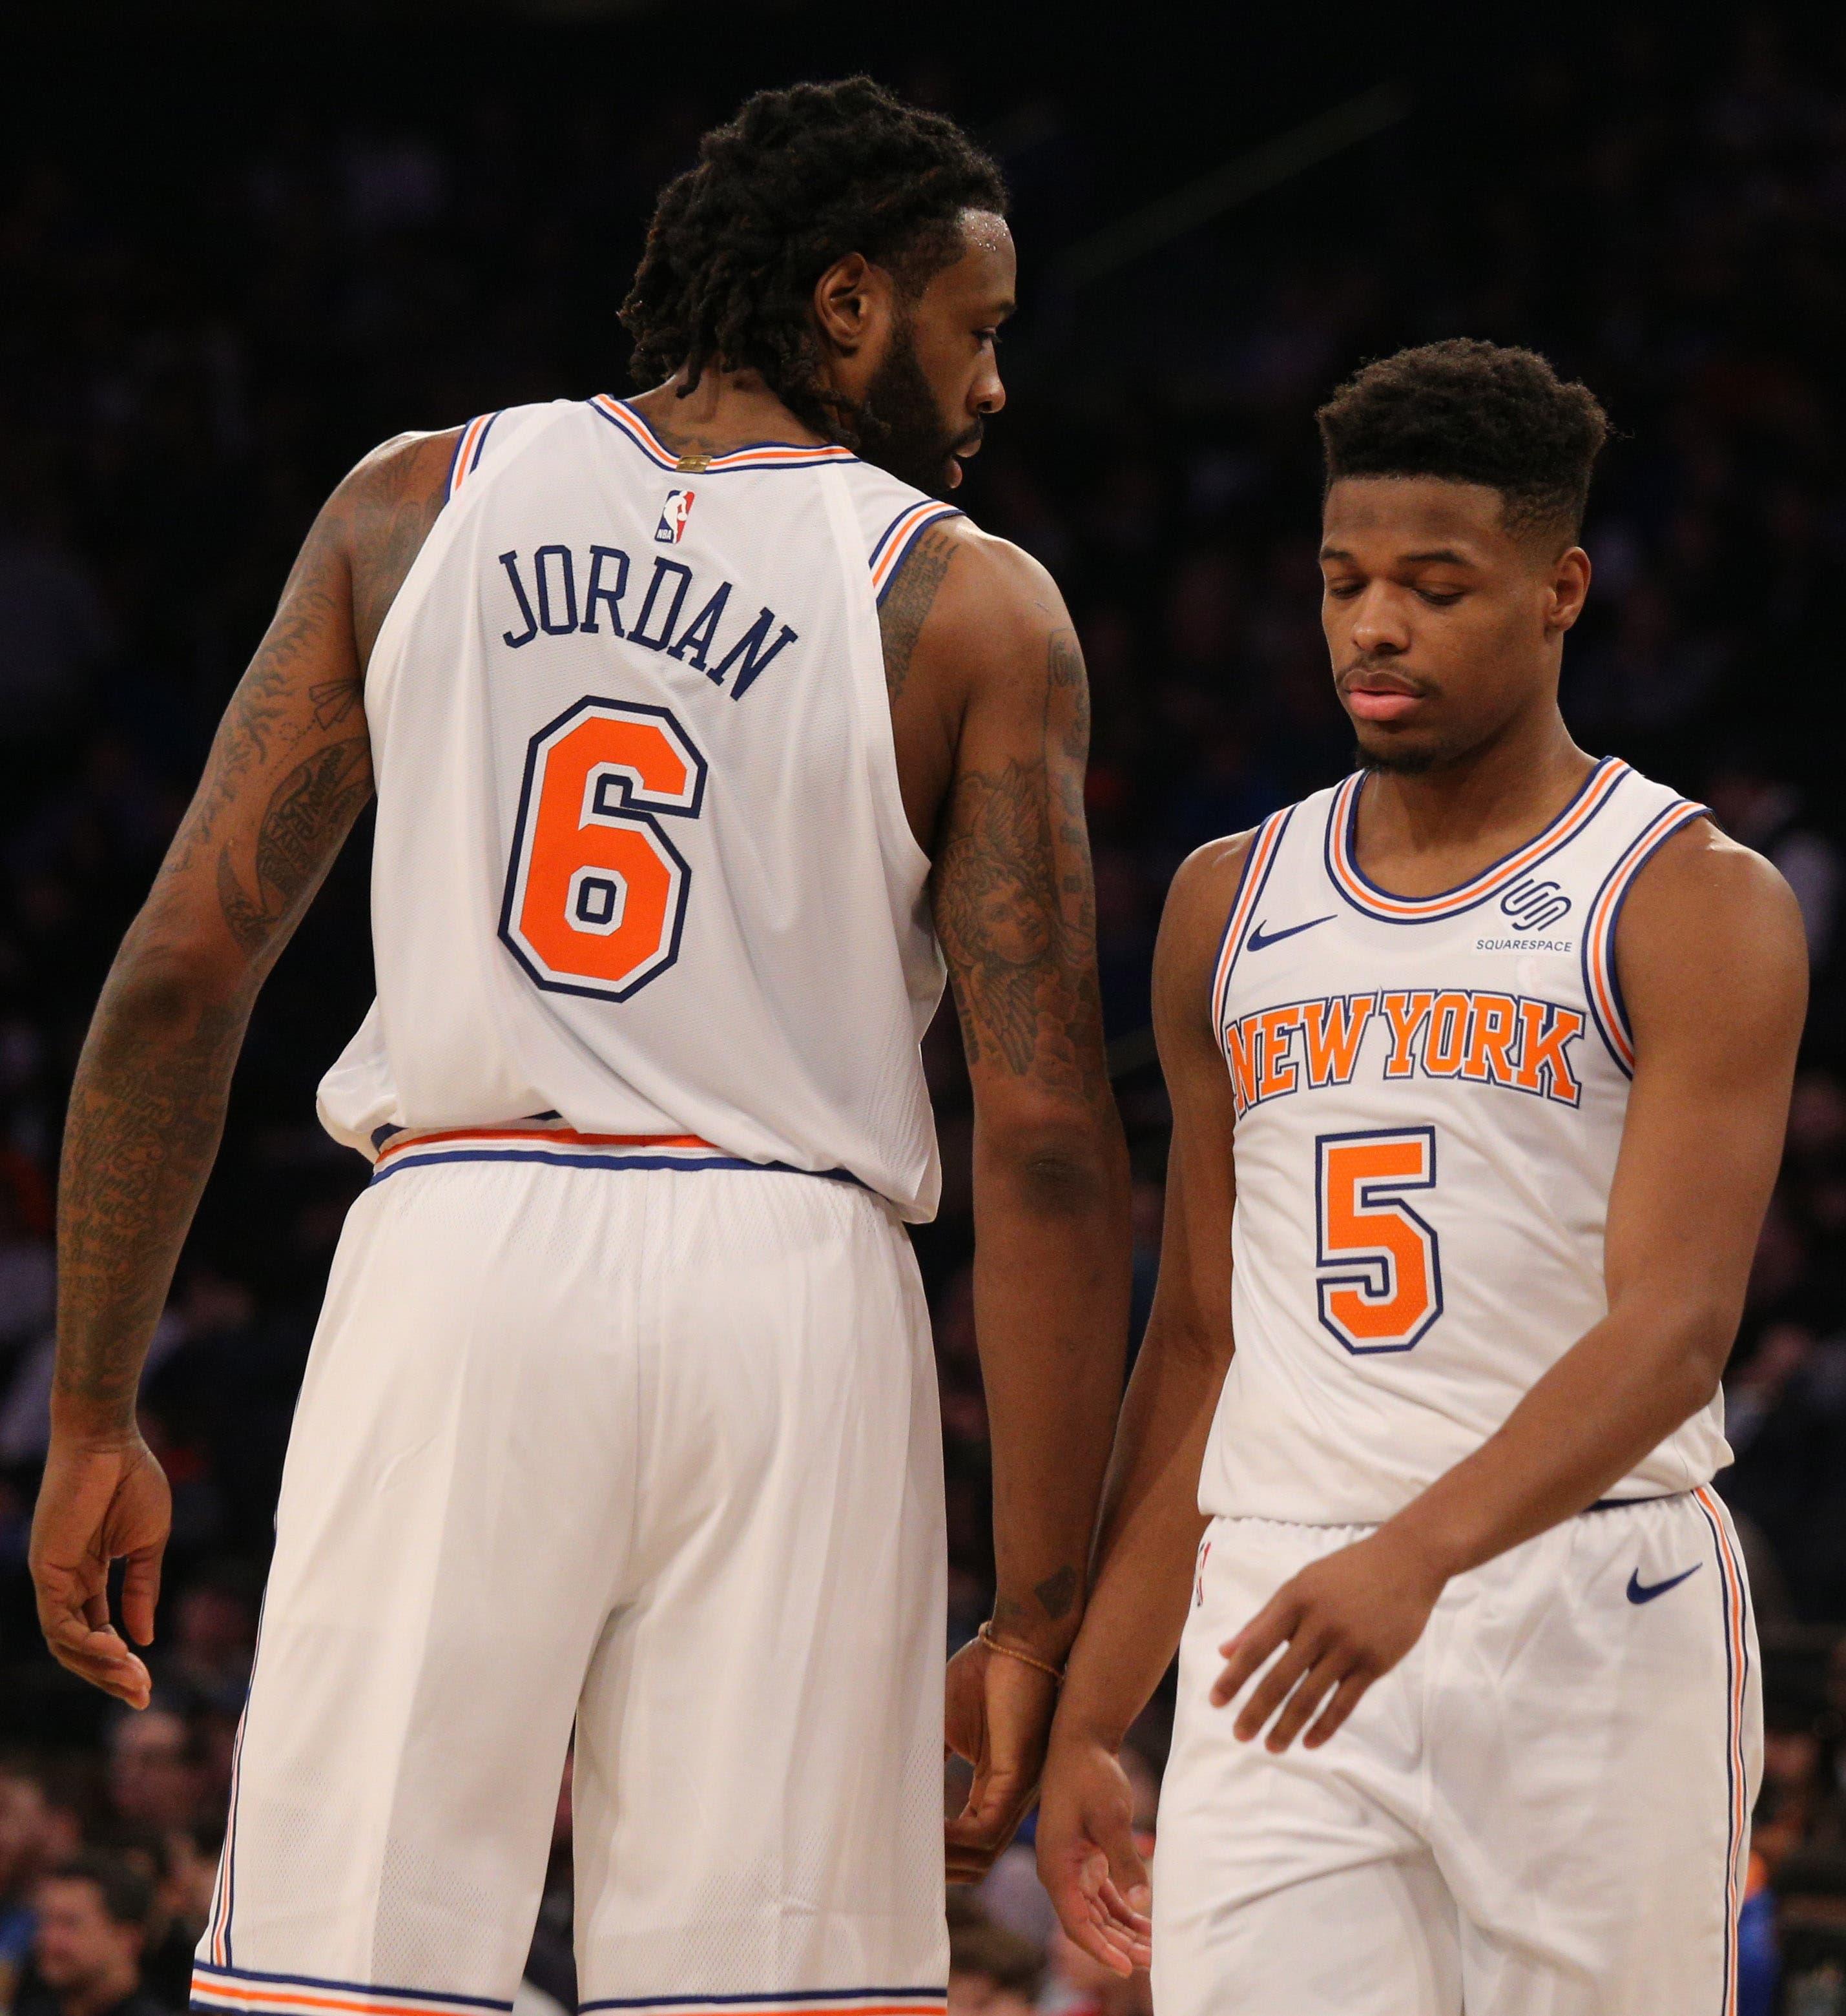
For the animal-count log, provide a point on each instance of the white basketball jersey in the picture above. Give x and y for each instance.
(1430, 1094)
(643, 889)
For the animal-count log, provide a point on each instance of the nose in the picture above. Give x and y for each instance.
(1380, 627)
(988, 394)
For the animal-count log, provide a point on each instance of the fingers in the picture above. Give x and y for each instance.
(1329, 1672)
(1245, 1654)
(1091, 1909)
(1346, 1698)
(974, 1839)
(97, 1656)
(1274, 1688)
(141, 1592)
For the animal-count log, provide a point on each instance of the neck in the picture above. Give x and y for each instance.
(1519, 776)
(725, 410)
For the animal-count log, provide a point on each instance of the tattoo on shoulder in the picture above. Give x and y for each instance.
(909, 600)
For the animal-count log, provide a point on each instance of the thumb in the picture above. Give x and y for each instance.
(1127, 1872)
(141, 1591)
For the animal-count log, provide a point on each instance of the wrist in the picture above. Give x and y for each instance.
(1438, 1552)
(82, 1422)
(1025, 1624)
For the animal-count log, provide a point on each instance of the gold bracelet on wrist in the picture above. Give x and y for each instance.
(985, 1635)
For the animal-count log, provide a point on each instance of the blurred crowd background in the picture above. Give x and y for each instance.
(234, 256)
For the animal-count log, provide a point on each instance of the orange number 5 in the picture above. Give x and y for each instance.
(595, 891)
(1379, 1275)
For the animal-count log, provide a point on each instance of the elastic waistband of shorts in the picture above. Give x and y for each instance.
(545, 1139)
(1360, 1527)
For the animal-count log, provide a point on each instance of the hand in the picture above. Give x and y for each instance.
(1347, 1620)
(100, 1504)
(1087, 1860)
(998, 1717)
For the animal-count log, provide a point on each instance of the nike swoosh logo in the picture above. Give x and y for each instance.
(1260, 940)
(1640, 1592)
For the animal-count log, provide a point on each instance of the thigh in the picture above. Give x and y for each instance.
(759, 1758)
(1599, 1752)
(456, 1489)
(1296, 1885)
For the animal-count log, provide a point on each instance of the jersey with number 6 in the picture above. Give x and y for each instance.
(1430, 1094)
(643, 888)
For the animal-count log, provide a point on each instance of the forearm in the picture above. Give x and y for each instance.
(1052, 1288)
(146, 1112)
(1624, 1386)
(1151, 1532)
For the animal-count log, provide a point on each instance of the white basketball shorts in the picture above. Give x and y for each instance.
(1543, 1811)
(652, 1453)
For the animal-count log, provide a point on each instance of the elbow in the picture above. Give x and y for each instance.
(1061, 1165)
(157, 990)
(1698, 1334)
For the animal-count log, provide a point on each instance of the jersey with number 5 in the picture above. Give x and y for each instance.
(643, 880)
(1429, 1094)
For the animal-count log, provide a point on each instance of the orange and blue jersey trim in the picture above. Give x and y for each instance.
(760, 454)
(217, 1922)
(893, 544)
(786, 2002)
(1601, 983)
(1344, 872)
(1257, 865)
(467, 458)
(548, 1140)
(246, 1994)
(1736, 1658)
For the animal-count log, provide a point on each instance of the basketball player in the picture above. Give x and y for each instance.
(698, 724)
(1480, 1065)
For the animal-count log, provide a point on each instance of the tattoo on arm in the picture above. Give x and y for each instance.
(315, 804)
(1014, 907)
(909, 600)
(147, 1107)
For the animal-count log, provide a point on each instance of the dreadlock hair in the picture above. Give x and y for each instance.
(1472, 412)
(799, 178)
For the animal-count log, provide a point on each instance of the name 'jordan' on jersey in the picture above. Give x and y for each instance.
(1430, 1094)
(643, 891)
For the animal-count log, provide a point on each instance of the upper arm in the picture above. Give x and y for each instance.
(1714, 969)
(1011, 889)
(290, 768)
(1193, 1297)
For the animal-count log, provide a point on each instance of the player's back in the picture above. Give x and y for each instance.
(642, 868)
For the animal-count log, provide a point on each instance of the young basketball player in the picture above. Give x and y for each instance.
(1479, 1064)
(701, 733)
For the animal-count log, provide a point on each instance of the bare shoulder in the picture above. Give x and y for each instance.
(1193, 925)
(1711, 931)
(972, 607)
(385, 507)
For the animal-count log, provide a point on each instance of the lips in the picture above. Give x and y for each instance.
(1380, 702)
(1379, 696)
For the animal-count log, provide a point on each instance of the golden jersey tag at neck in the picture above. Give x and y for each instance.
(693, 464)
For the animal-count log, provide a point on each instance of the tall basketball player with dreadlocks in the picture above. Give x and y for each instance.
(702, 733)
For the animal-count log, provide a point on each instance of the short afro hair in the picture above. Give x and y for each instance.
(798, 179)
(1472, 412)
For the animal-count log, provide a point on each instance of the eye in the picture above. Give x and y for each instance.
(990, 337)
(1440, 597)
(1343, 590)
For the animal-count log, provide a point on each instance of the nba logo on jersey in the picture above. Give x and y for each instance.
(673, 514)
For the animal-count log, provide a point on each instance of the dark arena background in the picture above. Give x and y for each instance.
(239, 247)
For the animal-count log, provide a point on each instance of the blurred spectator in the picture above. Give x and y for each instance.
(92, 1918)
(153, 1770)
(993, 1972)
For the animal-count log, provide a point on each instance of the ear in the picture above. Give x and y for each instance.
(853, 304)
(1567, 590)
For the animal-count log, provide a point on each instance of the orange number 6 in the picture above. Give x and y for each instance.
(1379, 1275)
(595, 891)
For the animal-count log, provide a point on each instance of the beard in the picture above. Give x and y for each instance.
(1399, 762)
(900, 425)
